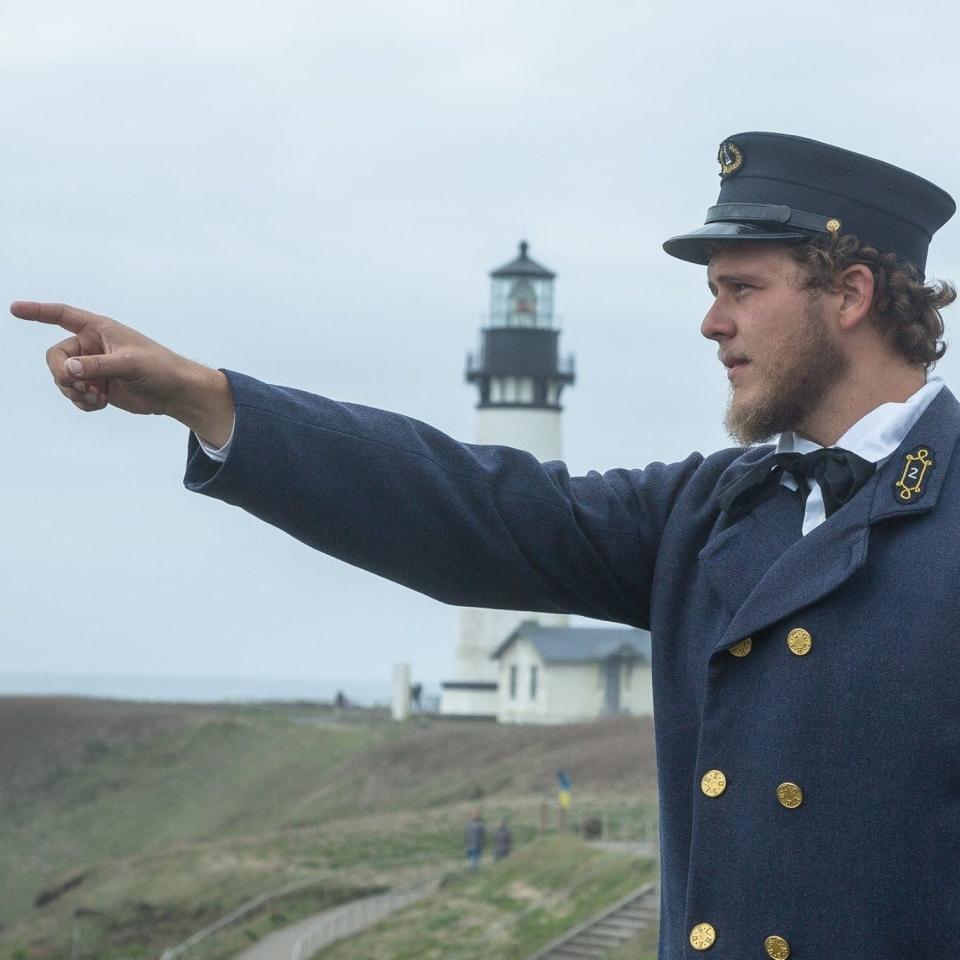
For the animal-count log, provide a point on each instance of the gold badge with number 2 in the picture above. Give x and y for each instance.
(915, 468)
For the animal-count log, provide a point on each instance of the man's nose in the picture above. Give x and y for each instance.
(717, 324)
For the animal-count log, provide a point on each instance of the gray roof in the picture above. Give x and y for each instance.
(523, 266)
(579, 644)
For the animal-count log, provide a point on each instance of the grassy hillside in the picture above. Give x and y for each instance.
(155, 820)
(507, 911)
(102, 781)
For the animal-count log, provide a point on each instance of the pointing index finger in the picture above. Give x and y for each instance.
(60, 314)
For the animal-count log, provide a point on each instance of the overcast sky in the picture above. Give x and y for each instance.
(314, 193)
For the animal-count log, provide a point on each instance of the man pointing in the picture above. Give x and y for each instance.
(803, 598)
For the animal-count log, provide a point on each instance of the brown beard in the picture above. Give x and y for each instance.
(794, 386)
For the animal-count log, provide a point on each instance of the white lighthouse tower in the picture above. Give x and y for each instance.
(519, 377)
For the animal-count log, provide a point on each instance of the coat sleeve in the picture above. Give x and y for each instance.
(481, 526)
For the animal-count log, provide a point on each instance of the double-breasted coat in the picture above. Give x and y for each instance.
(806, 689)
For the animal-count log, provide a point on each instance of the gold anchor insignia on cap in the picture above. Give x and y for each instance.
(730, 158)
(833, 225)
(915, 469)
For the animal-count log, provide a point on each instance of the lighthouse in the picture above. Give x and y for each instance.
(519, 377)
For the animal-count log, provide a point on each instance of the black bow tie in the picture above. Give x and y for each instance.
(839, 474)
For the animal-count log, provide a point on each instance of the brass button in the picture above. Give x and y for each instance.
(789, 795)
(713, 783)
(799, 641)
(742, 648)
(702, 936)
(777, 948)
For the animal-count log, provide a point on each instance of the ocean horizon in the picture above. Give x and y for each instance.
(194, 689)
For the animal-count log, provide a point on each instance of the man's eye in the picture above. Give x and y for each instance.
(741, 287)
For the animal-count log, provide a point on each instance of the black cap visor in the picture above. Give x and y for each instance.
(692, 247)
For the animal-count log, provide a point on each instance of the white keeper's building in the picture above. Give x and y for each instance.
(568, 674)
(523, 667)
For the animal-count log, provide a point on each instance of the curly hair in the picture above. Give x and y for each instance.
(905, 308)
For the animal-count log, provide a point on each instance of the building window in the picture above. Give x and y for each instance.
(533, 683)
(513, 682)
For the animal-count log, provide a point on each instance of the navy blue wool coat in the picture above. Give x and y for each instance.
(866, 723)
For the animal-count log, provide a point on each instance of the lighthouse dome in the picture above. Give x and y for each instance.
(523, 266)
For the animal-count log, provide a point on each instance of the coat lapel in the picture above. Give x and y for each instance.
(739, 556)
(765, 572)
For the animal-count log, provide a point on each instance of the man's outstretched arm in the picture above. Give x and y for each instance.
(104, 362)
(471, 525)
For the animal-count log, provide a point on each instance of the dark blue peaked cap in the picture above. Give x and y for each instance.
(778, 187)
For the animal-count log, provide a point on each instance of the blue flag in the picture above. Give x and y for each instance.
(563, 778)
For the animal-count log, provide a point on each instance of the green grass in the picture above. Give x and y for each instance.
(160, 897)
(643, 948)
(174, 817)
(223, 777)
(506, 910)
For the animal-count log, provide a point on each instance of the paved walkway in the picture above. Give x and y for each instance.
(300, 941)
(281, 944)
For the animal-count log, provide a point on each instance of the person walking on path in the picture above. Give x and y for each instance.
(474, 838)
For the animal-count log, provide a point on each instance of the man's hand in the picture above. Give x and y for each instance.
(105, 362)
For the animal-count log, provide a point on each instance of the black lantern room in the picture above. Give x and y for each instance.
(518, 364)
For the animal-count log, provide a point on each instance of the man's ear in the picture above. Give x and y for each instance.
(856, 289)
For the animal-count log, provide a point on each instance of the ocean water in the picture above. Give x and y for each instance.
(198, 689)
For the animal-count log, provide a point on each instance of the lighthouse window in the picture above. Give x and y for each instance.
(523, 305)
(525, 390)
(513, 682)
(496, 390)
(553, 394)
(533, 683)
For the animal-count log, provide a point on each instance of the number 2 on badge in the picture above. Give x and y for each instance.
(915, 469)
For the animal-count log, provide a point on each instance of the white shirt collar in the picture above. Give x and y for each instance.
(873, 437)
